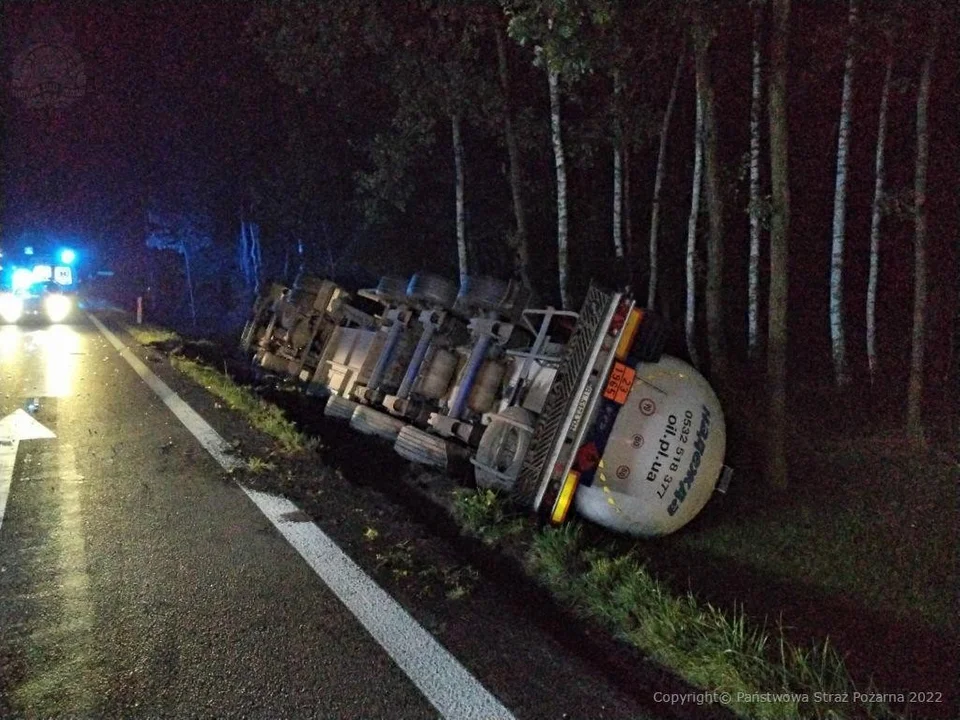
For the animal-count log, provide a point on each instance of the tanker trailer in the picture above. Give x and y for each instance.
(264, 309)
(428, 375)
(399, 333)
(384, 370)
(303, 319)
(492, 307)
(425, 370)
(633, 439)
(361, 365)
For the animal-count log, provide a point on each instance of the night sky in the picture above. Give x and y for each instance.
(167, 91)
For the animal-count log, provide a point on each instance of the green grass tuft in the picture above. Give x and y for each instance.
(152, 334)
(486, 515)
(710, 649)
(258, 465)
(264, 416)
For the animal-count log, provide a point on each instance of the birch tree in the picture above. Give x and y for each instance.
(519, 242)
(553, 76)
(753, 272)
(555, 29)
(250, 254)
(713, 295)
(459, 191)
(918, 335)
(658, 181)
(691, 262)
(837, 329)
(617, 165)
(779, 241)
(875, 217)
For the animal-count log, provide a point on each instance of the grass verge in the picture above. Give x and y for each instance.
(152, 334)
(486, 515)
(755, 674)
(867, 519)
(262, 415)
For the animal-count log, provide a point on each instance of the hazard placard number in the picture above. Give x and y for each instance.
(620, 382)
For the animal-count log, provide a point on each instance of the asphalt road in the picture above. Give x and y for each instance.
(135, 582)
(138, 580)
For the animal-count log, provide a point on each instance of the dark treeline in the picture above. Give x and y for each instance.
(548, 121)
(354, 138)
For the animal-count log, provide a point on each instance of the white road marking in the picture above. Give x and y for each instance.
(442, 679)
(209, 438)
(18, 425)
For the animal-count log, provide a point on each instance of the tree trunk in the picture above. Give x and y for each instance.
(691, 314)
(837, 330)
(658, 181)
(875, 222)
(553, 77)
(953, 365)
(779, 240)
(256, 256)
(461, 223)
(915, 386)
(617, 169)
(301, 262)
(713, 296)
(519, 244)
(631, 249)
(753, 277)
(186, 263)
(244, 253)
(617, 200)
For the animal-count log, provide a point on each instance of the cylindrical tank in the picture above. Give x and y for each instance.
(663, 456)
(486, 388)
(273, 363)
(436, 374)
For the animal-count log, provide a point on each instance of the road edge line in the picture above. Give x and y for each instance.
(446, 684)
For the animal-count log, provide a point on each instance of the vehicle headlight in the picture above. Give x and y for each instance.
(11, 307)
(57, 307)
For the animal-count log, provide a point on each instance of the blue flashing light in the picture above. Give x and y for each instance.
(67, 256)
(22, 278)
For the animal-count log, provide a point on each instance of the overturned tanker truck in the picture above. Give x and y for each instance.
(562, 410)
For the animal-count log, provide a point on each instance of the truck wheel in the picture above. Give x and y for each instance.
(373, 422)
(482, 292)
(339, 408)
(432, 290)
(392, 289)
(421, 447)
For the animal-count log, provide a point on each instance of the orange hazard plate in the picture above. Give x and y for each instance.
(620, 382)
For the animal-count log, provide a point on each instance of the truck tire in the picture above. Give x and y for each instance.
(339, 407)
(392, 289)
(373, 422)
(482, 292)
(421, 447)
(428, 289)
(309, 284)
